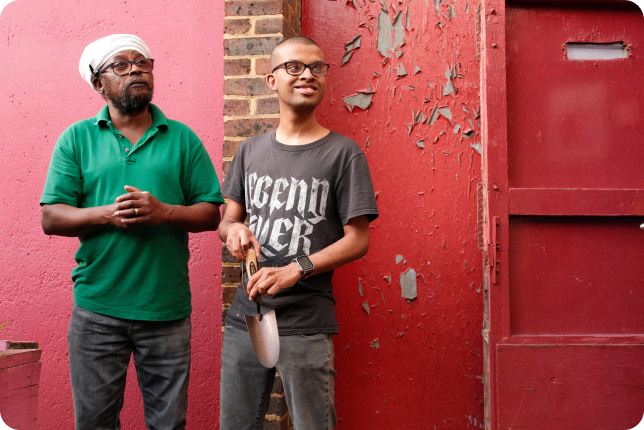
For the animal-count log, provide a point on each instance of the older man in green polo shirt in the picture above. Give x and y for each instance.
(130, 184)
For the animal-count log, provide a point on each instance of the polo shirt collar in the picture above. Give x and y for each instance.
(159, 119)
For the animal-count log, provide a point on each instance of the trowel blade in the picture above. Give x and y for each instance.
(265, 338)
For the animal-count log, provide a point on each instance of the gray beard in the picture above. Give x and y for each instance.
(128, 103)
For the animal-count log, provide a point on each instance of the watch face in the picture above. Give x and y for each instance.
(305, 263)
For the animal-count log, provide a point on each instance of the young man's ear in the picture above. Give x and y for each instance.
(271, 82)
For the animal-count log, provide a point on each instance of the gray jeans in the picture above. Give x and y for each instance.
(306, 368)
(99, 352)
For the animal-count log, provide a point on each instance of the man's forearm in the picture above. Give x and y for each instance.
(352, 246)
(64, 220)
(224, 226)
(202, 216)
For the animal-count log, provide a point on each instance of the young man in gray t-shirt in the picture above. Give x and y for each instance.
(307, 194)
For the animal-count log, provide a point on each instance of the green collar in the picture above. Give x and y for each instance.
(159, 120)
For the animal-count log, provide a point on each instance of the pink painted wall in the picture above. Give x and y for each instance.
(41, 93)
(425, 371)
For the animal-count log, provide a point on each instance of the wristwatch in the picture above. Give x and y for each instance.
(305, 265)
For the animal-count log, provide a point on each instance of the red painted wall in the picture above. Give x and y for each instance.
(41, 93)
(425, 370)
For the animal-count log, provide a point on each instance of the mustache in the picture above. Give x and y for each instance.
(137, 82)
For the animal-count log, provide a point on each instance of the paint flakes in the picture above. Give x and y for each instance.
(366, 144)
(444, 111)
(438, 11)
(407, 23)
(361, 100)
(400, 70)
(375, 343)
(360, 288)
(421, 143)
(399, 258)
(477, 147)
(468, 132)
(457, 128)
(466, 111)
(365, 306)
(376, 74)
(417, 117)
(399, 53)
(350, 46)
(417, 70)
(346, 57)
(390, 34)
(467, 8)
(408, 284)
(452, 14)
(411, 87)
(433, 116)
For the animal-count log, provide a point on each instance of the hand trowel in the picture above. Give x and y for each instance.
(262, 328)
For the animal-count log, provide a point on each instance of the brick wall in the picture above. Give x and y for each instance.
(252, 28)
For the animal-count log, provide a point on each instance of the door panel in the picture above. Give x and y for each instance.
(576, 275)
(574, 123)
(570, 387)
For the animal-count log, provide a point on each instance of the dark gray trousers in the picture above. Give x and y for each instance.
(99, 353)
(306, 368)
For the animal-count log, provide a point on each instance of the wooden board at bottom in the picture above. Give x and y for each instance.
(570, 386)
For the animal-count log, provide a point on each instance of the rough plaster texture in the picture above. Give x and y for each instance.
(41, 93)
(409, 364)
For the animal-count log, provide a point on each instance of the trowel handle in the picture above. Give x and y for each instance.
(251, 266)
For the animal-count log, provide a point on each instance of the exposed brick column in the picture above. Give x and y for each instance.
(252, 29)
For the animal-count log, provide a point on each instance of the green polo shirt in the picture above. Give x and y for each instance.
(131, 273)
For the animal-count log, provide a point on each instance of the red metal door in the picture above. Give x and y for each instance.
(566, 186)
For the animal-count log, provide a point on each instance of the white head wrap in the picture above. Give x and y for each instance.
(99, 51)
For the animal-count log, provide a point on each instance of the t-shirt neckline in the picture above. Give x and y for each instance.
(304, 147)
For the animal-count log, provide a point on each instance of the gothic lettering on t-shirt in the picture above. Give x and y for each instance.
(284, 212)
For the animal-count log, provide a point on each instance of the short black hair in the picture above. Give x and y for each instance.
(302, 40)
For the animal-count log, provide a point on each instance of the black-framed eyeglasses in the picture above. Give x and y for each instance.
(296, 68)
(124, 67)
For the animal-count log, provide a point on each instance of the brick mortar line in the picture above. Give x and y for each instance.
(255, 17)
(230, 265)
(235, 138)
(236, 97)
(249, 76)
(252, 57)
(250, 36)
(228, 158)
(278, 395)
(273, 417)
(230, 285)
(263, 116)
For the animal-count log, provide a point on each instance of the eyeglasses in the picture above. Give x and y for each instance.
(296, 68)
(124, 67)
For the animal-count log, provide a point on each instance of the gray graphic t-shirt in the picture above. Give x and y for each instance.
(298, 198)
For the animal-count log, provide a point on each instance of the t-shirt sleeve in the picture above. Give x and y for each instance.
(64, 182)
(203, 183)
(355, 194)
(233, 187)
